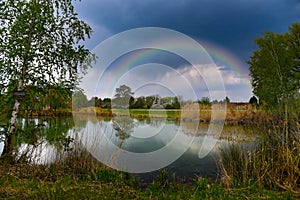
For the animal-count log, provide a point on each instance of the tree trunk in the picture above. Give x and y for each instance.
(8, 145)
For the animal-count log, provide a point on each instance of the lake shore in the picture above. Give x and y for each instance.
(72, 179)
(77, 177)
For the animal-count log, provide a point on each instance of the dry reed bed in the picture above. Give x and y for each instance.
(273, 163)
(189, 113)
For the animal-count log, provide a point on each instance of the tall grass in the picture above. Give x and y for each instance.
(236, 165)
(273, 163)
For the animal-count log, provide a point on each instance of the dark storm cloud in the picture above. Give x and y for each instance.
(232, 24)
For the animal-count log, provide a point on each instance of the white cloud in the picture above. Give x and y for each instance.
(188, 81)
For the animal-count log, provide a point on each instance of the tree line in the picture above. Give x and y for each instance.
(124, 98)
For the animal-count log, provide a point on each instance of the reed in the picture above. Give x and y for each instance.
(273, 163)
(235, 165)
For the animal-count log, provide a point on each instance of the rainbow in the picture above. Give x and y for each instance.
(226, 58)
(219, 55)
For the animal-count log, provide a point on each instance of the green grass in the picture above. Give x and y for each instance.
(143, 113)
(72, 188)
(75, 179)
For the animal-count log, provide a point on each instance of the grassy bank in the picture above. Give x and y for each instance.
(75, 179)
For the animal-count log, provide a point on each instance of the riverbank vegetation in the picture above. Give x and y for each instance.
(274, 161)
(79, 176)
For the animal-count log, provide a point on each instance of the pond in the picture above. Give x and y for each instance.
(139, 146)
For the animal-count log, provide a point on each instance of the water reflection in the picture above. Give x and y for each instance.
(110, 139)
(41, 140)
(123, 126)
(146, 145)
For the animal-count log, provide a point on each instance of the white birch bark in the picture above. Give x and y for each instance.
(12, 124)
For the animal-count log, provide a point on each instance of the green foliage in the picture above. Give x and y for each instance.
(37, 131)
(253, 101)
(275, 72)
(57, 96)
(170, 102)
(275, 67)
(106, 103)
(122, 97)
(123, 92)
(176, 104)
(7, 101)
(164, 179)
(51, 98)
(205, 101)
(40, 43)
(79, 100)
(56, 131)
(150, 101)
(40, 48)
(140, 102)
(227, 100)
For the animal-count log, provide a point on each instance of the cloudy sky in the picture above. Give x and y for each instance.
(226, 29)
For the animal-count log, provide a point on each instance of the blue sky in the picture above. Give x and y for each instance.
(230, 25)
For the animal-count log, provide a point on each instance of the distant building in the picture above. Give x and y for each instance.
(233, 106)
(239, 106)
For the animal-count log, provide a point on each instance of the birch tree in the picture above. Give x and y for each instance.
(274, 67)
(40, 46)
